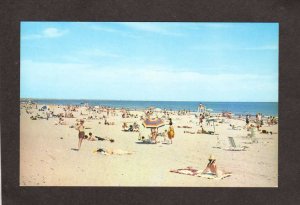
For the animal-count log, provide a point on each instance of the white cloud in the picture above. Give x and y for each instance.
(105, 28)
(46, 33)
(151, 27)
(53, 33)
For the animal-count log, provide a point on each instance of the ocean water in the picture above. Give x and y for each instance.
(238, 108)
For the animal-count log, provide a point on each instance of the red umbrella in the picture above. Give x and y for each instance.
(153, 123)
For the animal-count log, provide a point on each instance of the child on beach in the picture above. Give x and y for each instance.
(80, 129)
(164, 135)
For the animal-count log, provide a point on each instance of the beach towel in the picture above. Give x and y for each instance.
(212, 176)
(194, 172)
(186, 171)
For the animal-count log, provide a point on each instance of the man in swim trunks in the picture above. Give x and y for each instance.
(80, 129)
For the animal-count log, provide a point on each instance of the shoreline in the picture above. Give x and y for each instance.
(243, 114)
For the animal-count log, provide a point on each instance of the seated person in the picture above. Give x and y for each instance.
(135, 127)
(130, 129)
(212, 169)
(165, 135)
(202, 131)
(61, 121)
(124, 126)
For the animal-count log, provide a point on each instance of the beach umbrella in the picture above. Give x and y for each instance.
(153, 123)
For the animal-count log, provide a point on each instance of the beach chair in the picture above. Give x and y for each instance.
(233, 146)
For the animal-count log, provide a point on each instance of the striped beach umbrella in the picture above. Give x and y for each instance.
(153, 123)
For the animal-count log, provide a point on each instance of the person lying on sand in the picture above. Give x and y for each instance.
(95, 138)
(110, 151)
(212, 169)
(267, 132)
(184, 126)
(190, 132)
(33, 118)
(234, 127)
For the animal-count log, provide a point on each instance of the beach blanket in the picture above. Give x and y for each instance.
(187, 171)
(194, 172)
(211, 176)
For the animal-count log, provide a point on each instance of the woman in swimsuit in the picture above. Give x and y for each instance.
(211, 168)
(171, 132)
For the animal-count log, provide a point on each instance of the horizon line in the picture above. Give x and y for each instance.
(83, 99)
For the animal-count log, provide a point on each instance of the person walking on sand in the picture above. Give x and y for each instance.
(80, 129)
(171, 132)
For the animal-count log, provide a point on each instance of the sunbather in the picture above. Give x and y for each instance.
(184, 126)
(95, 138)
(211, 168)
(110, 151)
(202, 131)
(124, 126)
(190, 132)
(266, 132)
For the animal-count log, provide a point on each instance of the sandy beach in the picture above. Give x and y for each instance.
(48, 158)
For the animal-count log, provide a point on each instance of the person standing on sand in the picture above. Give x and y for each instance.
(247, 121)
(171, 132)
(201, 117)
(80, 129)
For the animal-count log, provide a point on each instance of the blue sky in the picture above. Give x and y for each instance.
(150, 61)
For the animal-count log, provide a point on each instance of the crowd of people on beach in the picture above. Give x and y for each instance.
(103, 114)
